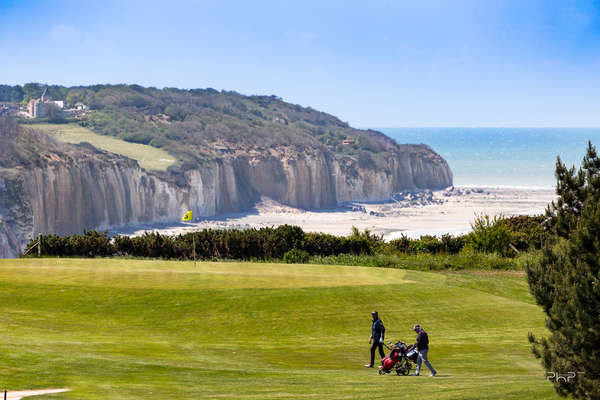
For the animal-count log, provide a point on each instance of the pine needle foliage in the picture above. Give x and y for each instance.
(566, 282)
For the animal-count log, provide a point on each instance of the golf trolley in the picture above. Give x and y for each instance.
(400, 359)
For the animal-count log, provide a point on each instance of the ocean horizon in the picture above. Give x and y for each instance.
(502, 157)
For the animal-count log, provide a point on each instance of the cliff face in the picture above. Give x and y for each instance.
(15, 214)
(70, 188)
(85, 194)
(412, 167)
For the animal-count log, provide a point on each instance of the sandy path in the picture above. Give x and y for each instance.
(26, 393)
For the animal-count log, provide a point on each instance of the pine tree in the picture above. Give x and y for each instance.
(566, 282)
(572, 188)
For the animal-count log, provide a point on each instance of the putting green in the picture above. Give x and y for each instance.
(130, 329)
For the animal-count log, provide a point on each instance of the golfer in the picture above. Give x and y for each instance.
(377, 334)
(422, 347)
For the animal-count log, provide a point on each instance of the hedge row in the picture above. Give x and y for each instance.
(429, 244)
(502, 236)
(247, 244)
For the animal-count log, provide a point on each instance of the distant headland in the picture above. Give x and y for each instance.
(107, 155)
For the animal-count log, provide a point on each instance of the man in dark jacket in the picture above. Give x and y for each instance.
(377, 334)
(422, 346)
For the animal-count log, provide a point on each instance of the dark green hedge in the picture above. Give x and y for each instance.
(263, 243)
(490, 235)
(430, 244)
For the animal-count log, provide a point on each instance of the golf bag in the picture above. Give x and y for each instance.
(397, 360)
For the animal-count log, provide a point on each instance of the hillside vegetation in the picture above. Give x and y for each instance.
(25, 148)
(148, 157)
(125, 329)
(196, 124)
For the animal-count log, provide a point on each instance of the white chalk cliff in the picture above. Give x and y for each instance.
(49, 187)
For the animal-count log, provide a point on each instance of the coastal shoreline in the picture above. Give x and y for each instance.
(411, 213)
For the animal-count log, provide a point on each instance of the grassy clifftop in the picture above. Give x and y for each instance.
(148, 157)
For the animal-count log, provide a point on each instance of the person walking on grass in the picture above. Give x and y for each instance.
(422, 347)
(376, 339)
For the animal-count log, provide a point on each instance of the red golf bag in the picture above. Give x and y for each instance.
(396, 360)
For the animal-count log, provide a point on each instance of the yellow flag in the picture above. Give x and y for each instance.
(188, 217)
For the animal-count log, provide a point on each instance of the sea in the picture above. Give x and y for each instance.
(502, 157)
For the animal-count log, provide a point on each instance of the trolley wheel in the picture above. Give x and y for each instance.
(381, 372)
(407, 367)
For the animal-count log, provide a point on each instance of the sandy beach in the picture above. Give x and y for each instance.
(409, 213)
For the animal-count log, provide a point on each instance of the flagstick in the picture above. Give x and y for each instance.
(194, 243)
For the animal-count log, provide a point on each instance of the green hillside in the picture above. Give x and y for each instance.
(195, 124)
(148, 157)
(124, 329)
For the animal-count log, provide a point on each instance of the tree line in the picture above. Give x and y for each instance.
(208, 244)
(504, 236)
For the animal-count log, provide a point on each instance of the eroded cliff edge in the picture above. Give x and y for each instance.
(52, 187)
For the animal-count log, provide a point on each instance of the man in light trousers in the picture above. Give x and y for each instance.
(422, 346)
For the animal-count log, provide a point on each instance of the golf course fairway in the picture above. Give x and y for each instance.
(137, 329)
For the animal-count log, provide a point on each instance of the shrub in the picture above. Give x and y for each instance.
(123, 245)
(281, 239)
(428, 244)
(452, 244)
(402, 244)
(88, 244)
(491, 235)
(364, 242)
(528, 232)
(296, 256)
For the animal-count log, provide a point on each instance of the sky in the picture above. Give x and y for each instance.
(372, 63)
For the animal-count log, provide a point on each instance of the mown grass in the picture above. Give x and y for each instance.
(132, 329)
(150, 158)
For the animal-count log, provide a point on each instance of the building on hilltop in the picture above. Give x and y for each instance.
(37, 108)
(40, 108)
(80, 106)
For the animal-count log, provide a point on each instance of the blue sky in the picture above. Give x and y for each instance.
(372, 63)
